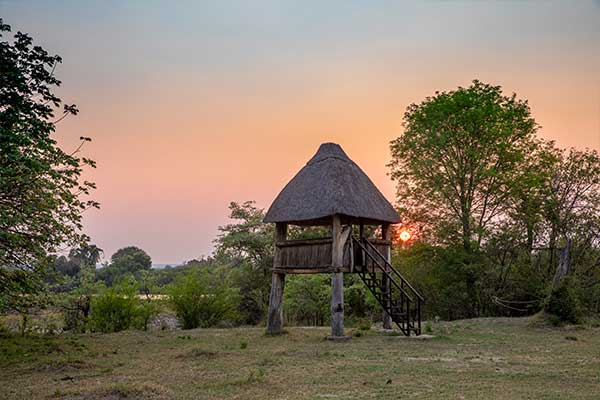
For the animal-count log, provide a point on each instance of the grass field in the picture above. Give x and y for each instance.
(484, 358)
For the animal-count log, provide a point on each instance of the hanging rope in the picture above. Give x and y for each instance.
(505, 303)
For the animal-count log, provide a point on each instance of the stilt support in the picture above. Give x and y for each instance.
(275, 316)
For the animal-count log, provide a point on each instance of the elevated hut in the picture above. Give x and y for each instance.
(331, 190)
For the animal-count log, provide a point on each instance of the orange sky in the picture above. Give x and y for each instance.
(195, 106)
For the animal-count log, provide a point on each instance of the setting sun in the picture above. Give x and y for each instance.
(405, 236)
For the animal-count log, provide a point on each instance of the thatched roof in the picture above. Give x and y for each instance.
(331, 183)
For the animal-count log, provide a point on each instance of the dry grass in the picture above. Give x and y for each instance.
(486, 358)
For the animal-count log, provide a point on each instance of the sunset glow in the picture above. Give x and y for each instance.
(404, 236)
(192, 107)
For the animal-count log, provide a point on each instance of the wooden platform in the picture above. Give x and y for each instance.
(312, 256)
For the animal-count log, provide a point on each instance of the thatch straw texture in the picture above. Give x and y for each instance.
(331, 183)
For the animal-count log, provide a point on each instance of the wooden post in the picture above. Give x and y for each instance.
(386, 234)
(362, 258)
(337, 281)
(275, 316)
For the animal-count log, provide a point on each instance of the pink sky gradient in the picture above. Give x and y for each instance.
(192, 107)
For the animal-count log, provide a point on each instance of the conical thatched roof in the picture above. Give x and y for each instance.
(331, 183)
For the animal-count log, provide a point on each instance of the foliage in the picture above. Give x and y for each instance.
(76, 310)
(500, 216)
(459, 156)
(358, 301)
(307, 299)
(163, 277)
(41, 193)
(203, 298)
(129, 260)
(254, 287)
(247, 246)
(563, 304)
(115, 309)
(249, 240)
(74, 283)
(148, 309)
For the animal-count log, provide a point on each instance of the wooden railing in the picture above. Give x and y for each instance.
(314, 255)
(398, 298)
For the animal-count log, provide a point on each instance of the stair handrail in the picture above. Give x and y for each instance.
(413, 290)
(408, 296)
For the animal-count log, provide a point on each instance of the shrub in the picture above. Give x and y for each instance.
(428, 327)
(364, 324)
(76, 312)
(203, 299)
(563, 304)
(115, 309)
(147, 310)
(307, 299)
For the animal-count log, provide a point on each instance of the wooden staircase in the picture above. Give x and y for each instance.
(393, 292)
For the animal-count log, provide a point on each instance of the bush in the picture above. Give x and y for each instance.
(254, 286)
(563, 304)
(358, 301)
(76, 313)
(203, 299)
(364, 324)
(115, 309)
(307, 299)
(147, 310)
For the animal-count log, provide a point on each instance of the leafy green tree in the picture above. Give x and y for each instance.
(66, 266)
(75, 298)
(128, 260)
(249, 240)
(460, 153)
(79, 258)
(86, 255)
(573, 202)
(525, 207)
(247, 246)
(41, 193)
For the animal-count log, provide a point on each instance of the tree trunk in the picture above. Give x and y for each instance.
(466, 234)
(564, 262)
(551, 250)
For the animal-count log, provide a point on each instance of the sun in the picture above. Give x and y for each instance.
(405, 236)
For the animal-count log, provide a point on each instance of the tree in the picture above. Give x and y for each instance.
(41, 193)
(128, 260)
(458, 158)
(247, 245)
(84, 256)
(573, 202)
(249, 240)
(66, 266)
(80, 266)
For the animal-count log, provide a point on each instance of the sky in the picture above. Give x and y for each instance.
(192, 105)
